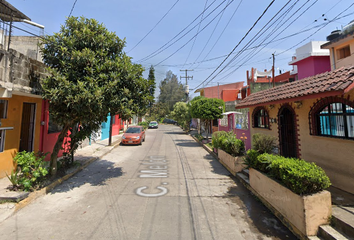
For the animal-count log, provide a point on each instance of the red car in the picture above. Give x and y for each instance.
(134, 135)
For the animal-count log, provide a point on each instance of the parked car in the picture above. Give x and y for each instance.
(169, 121)
(153, 124)
(134, 135)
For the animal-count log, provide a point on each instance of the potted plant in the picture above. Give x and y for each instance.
(230, 150)
(293, 189)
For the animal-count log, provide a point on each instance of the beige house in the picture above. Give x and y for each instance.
(313, 119)
(341, 46)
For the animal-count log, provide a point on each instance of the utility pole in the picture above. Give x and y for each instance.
(273, 70)
(187, 77)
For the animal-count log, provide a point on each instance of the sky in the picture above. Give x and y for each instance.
(218, 40)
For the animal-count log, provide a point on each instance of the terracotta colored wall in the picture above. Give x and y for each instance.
(12, 138)
(214, 92)
(334, 155)
(229, 95)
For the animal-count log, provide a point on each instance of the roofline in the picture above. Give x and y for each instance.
(312, 96)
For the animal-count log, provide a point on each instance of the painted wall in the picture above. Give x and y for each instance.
(12, 137)
(313, 65)
(48, 140)
(334, 155)
(115, 127)
(215, 92)
(229, 95)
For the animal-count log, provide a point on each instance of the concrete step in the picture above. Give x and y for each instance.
(327, 232)
(243, 177)
(313, 238)
(246, 172)
(343, 220)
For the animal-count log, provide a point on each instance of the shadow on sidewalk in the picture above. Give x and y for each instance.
(97, 174)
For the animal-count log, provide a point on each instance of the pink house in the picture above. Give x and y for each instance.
(311, 60)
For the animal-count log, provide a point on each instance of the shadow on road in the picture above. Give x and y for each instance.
(96, 175)
(258, 215)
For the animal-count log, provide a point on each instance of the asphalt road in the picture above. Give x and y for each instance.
(168, 188)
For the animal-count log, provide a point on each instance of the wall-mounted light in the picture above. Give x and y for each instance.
(298, 104)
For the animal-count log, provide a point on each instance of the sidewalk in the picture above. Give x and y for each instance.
(84, 156)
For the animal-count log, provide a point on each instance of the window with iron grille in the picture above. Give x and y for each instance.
(336, 120)
(260, 118)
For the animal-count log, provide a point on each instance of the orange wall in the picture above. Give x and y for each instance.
(12, 137)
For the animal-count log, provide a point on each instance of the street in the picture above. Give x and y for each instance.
(168, 188)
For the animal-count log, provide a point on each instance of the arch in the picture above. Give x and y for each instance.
(288, 132)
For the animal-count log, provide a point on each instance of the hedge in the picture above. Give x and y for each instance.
(299, 176)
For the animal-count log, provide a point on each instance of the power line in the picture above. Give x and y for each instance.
(259, 18)
(154, 26)
(72, 9)
(194, 35)
(200, 22)
(168, 43)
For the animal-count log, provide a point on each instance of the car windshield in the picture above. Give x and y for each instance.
(153, 122)
(133, 130)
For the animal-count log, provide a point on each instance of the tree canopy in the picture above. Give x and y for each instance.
(181, 114)
(207, 109)
(171, 91)
(90, 76)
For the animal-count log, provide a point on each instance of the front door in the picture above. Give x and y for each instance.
(27, 127)
(287, 136)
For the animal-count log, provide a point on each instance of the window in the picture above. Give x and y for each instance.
(343, 52)
(215, 122)
(224, 121)
(52, 126)
(336, 120)
(3, 108)
(260, 118)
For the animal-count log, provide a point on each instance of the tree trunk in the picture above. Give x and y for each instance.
(54, 156)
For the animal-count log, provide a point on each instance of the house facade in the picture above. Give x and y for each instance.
(311, 59)
(312, 119)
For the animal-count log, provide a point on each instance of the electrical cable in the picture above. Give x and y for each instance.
(259, 18)
(159, 50)
(194, 35)
(154, 26)
(201, 19)
(72, 9)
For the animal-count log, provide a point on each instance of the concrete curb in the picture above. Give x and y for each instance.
(34, 195)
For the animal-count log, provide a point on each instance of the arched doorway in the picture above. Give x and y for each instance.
(287, 132)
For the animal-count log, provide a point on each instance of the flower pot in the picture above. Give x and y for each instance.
(233, 164)
(303, 214)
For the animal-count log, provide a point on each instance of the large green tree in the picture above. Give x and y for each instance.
(152, 84)
(181, 114)
(90, 76)
(207, 109)
(171, 91)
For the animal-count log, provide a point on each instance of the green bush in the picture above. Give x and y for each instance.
(228, 142)
(199, 137)
(250, 159)
(264, 143)
(144, 124)
(30, 172)
(216, 138)
(299, 176)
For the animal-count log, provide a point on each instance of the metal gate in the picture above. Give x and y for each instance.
(27, 127)
(288, 146)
